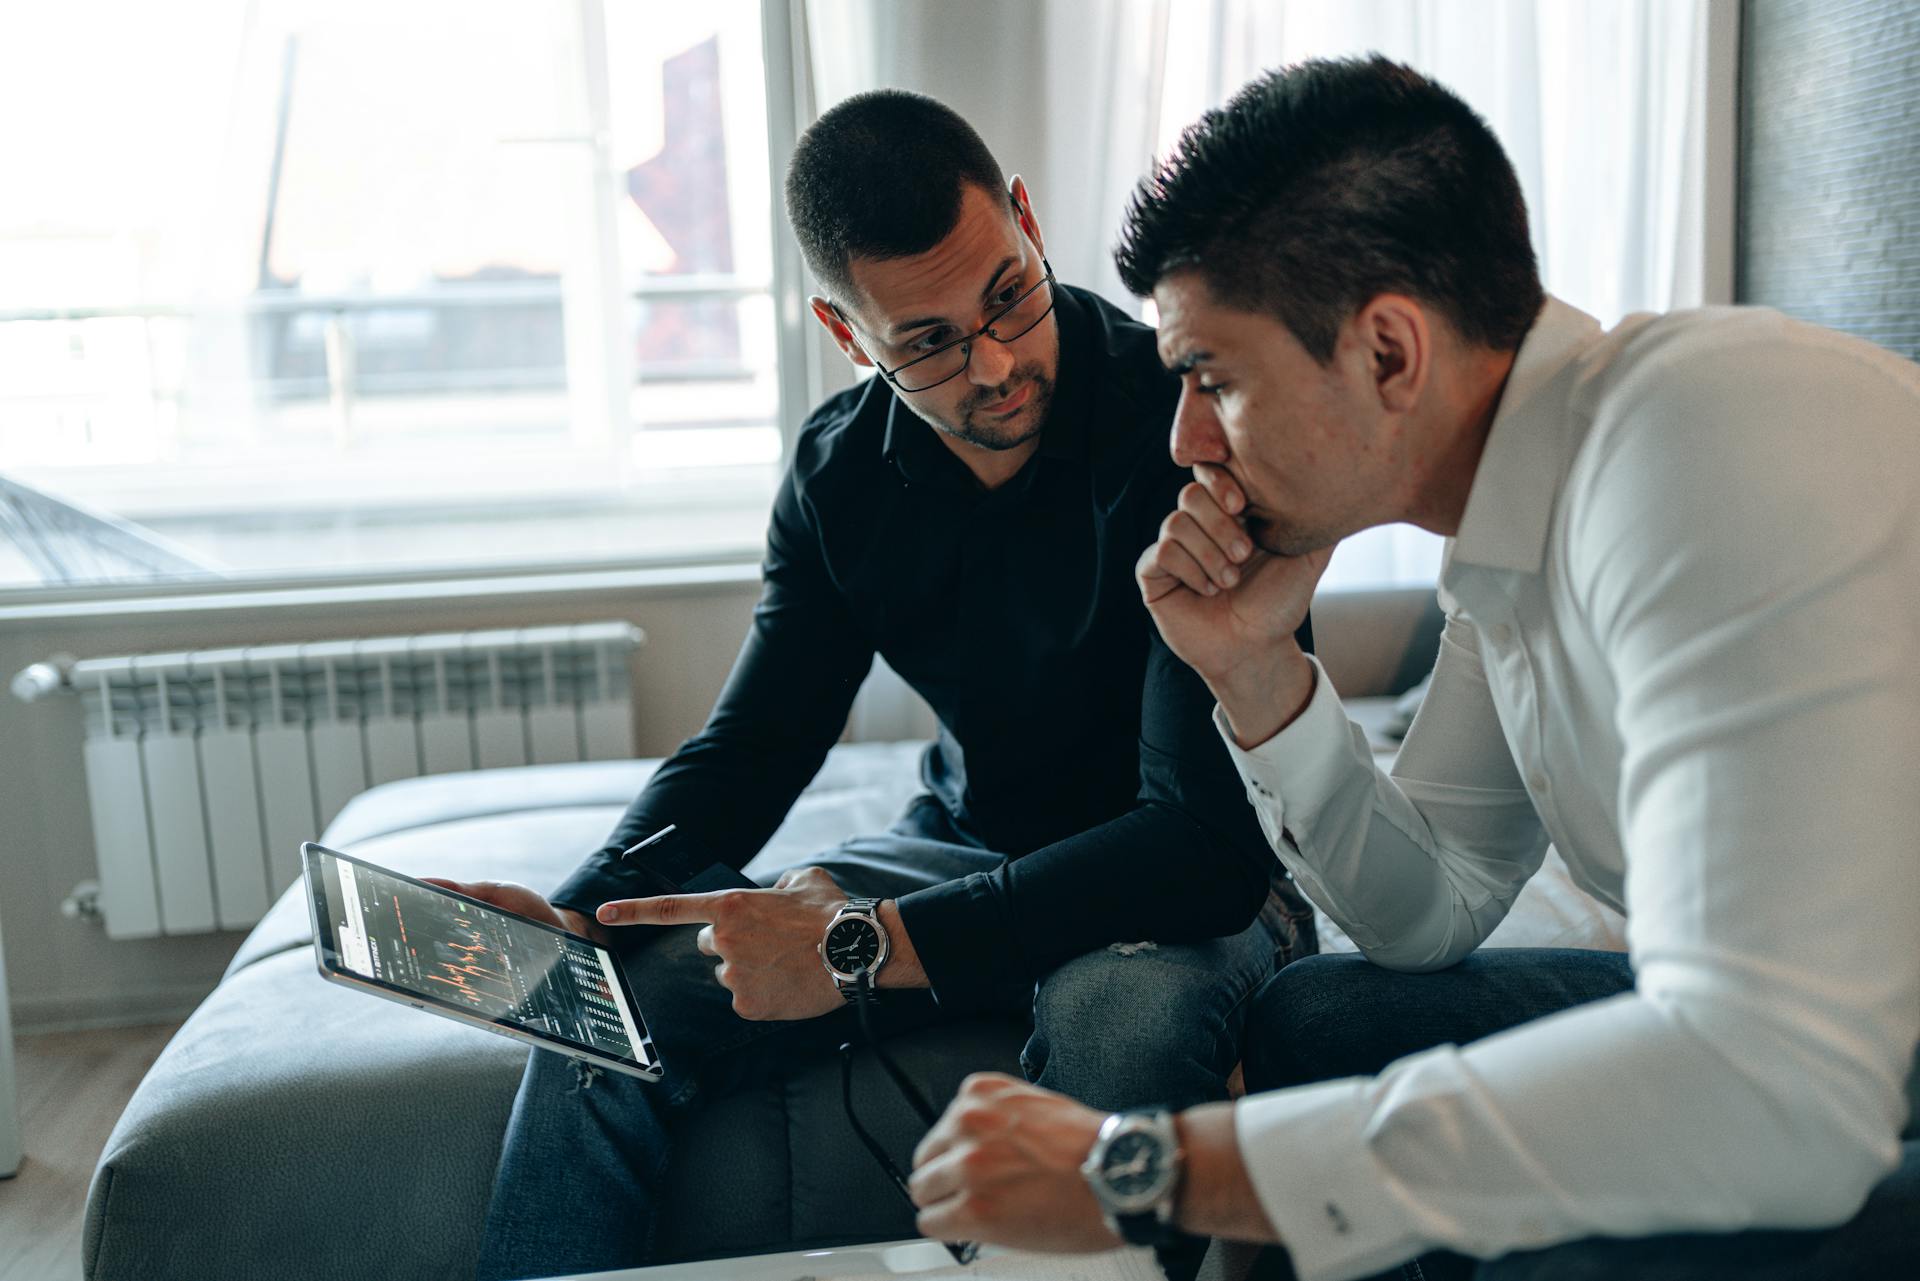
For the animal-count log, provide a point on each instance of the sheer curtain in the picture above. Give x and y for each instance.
(1600, 103)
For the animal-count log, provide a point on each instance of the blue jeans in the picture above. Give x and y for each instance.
(1334, 1016)
(585, 1151)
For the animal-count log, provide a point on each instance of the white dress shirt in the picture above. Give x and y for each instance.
(1683, 644)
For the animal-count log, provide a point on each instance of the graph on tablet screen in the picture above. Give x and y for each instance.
(496, 966)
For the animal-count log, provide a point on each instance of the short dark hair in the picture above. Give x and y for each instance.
(1322, 185)
(881, 175)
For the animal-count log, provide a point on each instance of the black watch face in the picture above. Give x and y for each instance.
(1132, 1164)
(852, 946)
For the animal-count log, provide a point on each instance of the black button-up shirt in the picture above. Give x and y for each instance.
(1072, 741)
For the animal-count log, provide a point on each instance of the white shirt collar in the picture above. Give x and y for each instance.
(1511, 502)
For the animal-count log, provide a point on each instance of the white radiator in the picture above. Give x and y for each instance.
(206, 770)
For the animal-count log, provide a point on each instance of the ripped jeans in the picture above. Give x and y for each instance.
(1128, 1026)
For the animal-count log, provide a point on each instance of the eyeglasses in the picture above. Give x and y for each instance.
(962, 1251)
(1008, 325)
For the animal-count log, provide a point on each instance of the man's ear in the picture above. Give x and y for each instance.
(829, 317)
(1395, 333)
(1024, 215)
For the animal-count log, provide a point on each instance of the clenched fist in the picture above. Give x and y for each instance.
(1229, 609)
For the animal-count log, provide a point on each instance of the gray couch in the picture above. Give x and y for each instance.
(297, 1129)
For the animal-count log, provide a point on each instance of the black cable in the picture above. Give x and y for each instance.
(915, 1099)
(963, 1252)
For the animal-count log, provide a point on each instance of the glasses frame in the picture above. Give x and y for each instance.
(892, 376)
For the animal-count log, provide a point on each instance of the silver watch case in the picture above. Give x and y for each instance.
(1156, 1199)
(867, 910)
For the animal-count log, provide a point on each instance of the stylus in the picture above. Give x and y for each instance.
(655, 839)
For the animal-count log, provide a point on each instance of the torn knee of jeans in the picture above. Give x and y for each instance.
(1031, 1065)
(584, 1074)
(1133, 949)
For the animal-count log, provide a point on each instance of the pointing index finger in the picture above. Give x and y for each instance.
(666, 909)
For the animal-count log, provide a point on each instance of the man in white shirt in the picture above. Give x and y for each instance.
(1683, 645)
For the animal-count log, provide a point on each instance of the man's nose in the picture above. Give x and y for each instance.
(992, 362)
(1197, 437)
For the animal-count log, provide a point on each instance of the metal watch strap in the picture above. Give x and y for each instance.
(850, 992)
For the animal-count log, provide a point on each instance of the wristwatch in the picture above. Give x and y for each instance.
(1134, 1169)
(855, 946)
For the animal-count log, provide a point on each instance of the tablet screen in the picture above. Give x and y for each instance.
(440, 947)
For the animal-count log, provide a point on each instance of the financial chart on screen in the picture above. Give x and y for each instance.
(487, 963)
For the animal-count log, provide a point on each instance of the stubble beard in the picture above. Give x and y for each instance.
(1282, 538)
(979, 430)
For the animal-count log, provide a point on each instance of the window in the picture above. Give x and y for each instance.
(354, 287)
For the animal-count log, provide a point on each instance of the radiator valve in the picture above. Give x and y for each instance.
(41, 679)
(83, 904)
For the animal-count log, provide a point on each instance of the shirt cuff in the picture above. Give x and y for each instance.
(592, 883)
(600, 880)
(969, 955)
(1306, 1155)
(1299, 768)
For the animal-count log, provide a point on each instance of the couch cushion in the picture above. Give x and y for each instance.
(861, 787)
(284, 1111)
(442, 798)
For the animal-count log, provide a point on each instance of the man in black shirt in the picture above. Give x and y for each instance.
(972, 514)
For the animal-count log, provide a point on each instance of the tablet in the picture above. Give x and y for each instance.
(447, 954)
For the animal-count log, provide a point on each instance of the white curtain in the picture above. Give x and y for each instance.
(1600, 103)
